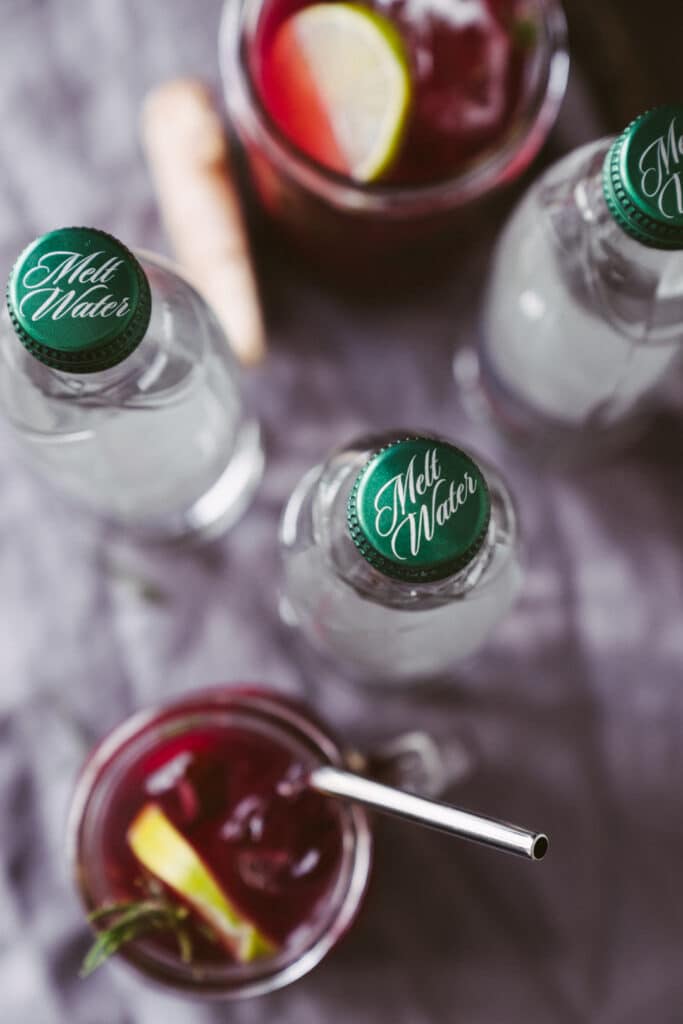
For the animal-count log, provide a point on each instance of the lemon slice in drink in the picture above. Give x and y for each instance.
(339, 86)
(166, 854)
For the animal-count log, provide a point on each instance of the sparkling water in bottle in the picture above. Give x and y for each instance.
(400, 556)
(121, 388)
(583, 314)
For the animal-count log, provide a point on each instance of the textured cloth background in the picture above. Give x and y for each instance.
(572, 716)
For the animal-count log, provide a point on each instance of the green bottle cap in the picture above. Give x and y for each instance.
(642, 178)
(419, 509)
(79, 300)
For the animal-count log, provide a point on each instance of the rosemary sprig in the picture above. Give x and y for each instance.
(123, 922)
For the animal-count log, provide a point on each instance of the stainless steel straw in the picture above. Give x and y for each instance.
(510, 838)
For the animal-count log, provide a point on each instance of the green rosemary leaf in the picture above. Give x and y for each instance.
(524, 32)
(208, 932)
(100, 951)
(184, 945)
(131, 920)
(108, 909)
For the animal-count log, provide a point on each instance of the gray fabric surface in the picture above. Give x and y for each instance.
(573, 714)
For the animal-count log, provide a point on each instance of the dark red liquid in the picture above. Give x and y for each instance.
(273, 845)
(467, 62)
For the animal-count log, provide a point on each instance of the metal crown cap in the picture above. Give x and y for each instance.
(79, 300)
(419, 509)
(642, 178)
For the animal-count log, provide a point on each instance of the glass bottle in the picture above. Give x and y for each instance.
(583, 312)
(123, 393)
(400, 556)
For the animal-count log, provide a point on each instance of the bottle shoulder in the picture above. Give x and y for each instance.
(564, 200)
(563, 245)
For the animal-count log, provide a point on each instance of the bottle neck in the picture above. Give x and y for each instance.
(611, 236)
(331, 527)
(88, 386)
(637, 288)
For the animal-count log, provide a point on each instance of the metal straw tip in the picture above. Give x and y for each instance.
(539, 847)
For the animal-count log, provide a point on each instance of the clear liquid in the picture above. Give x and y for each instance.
(381, 629)
(580, 321)
(159, 443)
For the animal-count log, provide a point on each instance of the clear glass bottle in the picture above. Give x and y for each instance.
(400, 556)
(123, 392)
(583, 313)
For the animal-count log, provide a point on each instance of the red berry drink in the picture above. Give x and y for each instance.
(373, 120)
(466, 64)
(193, 828)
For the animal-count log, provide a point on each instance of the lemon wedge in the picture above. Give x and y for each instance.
(341, 85)
(167, 855)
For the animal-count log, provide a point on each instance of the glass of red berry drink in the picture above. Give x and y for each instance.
(368, 127)
(201, 855)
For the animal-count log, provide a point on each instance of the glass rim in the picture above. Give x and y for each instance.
(475, 180)
(232, 981)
